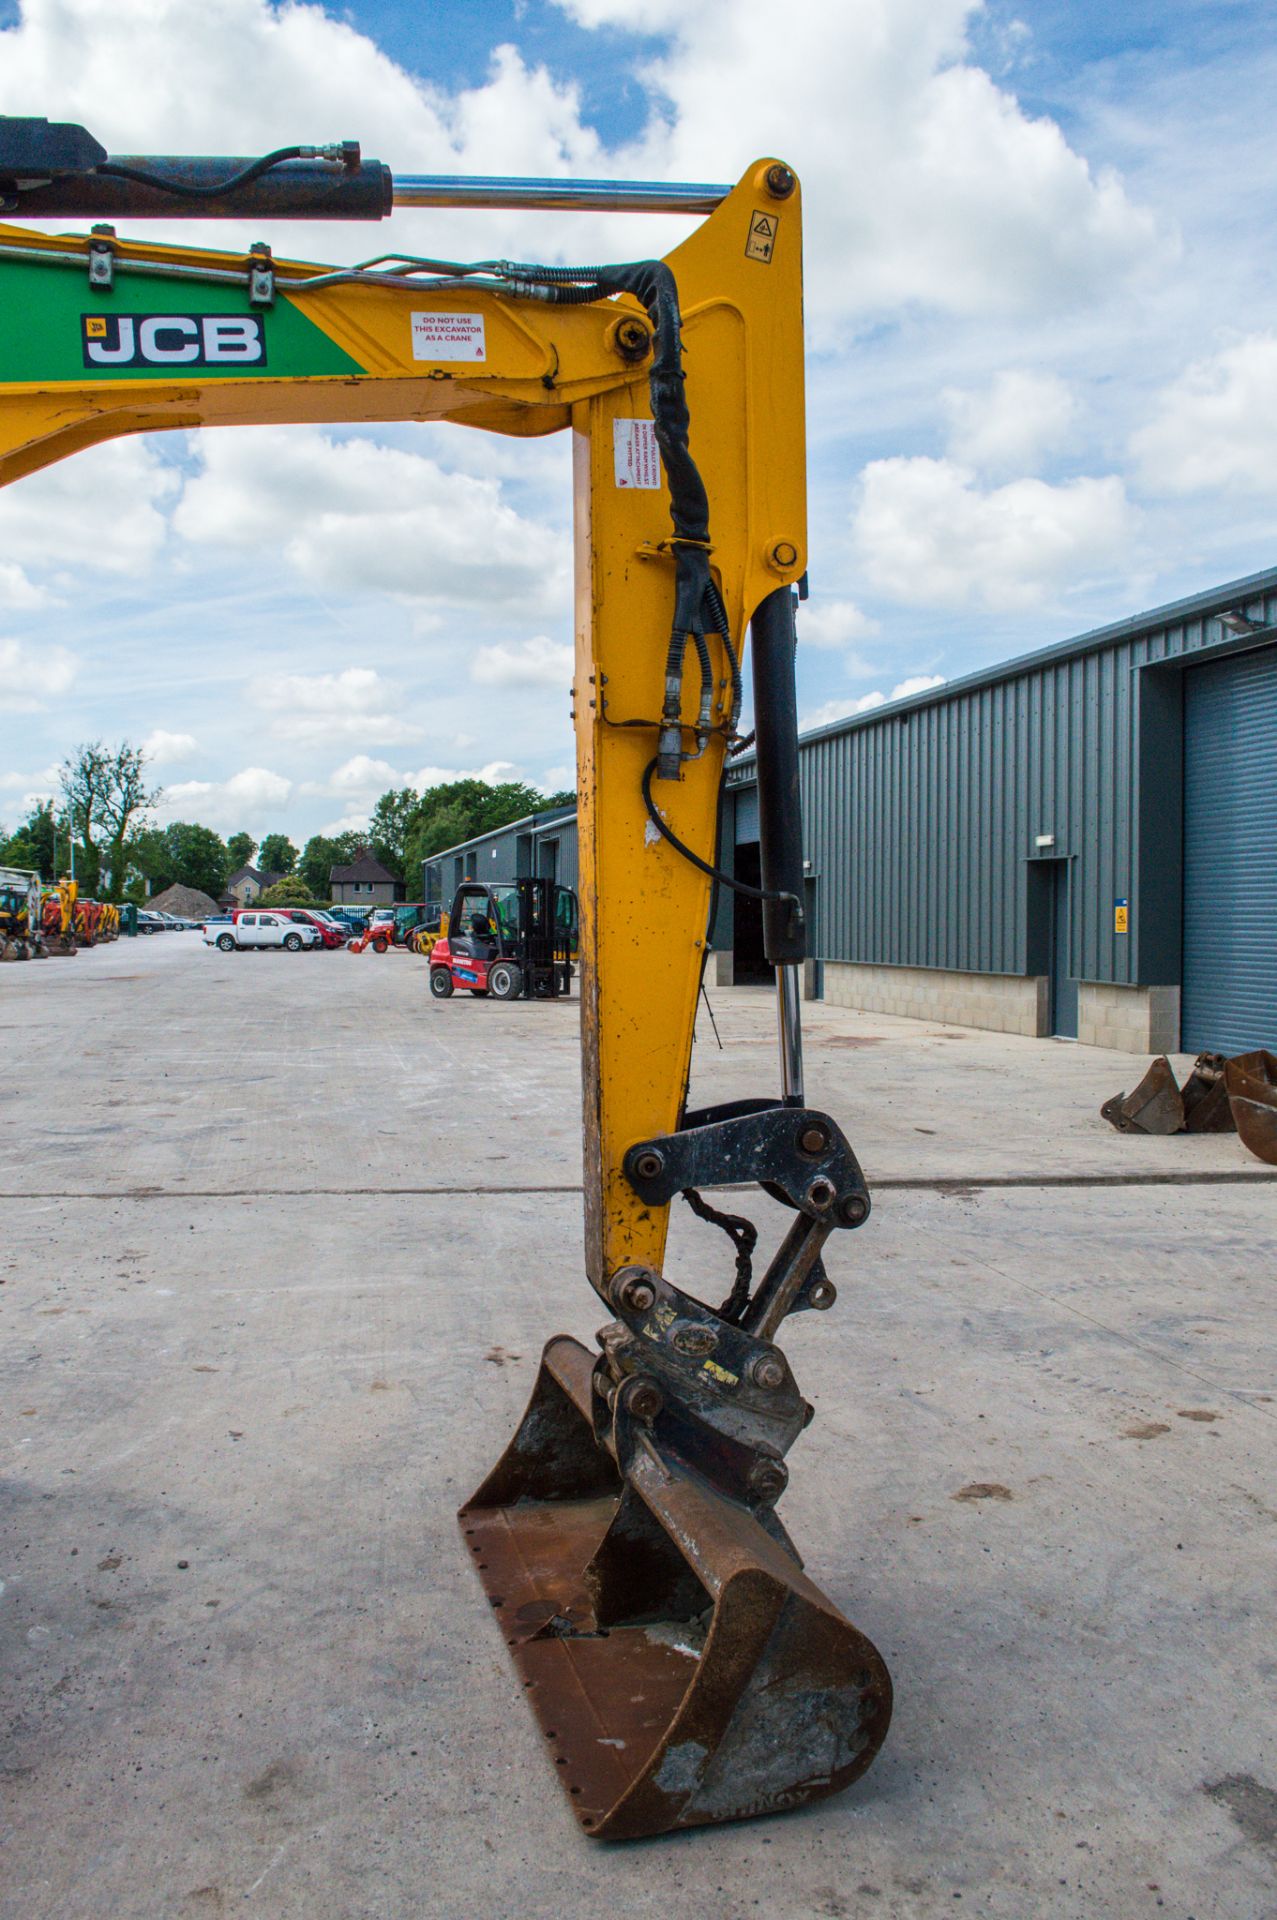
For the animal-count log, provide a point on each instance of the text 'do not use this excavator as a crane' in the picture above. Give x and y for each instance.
(683, 1667)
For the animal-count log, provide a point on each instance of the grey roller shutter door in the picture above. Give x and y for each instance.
(1230, 855)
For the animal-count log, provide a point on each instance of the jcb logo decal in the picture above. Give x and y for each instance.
(226, 340)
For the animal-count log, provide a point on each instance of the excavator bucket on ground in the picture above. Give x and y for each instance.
(1251, 1079)
(682, 1667)
(1205, 1097)
(1155, 1106)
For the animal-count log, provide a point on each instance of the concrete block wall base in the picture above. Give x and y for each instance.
(1131, 1019)
(1002, 1002)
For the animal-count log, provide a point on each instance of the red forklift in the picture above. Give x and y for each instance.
(514, 941)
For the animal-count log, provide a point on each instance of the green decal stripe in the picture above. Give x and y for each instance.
(41, 327)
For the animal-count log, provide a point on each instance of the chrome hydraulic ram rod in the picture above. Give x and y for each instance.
(597, 196)
(780, 824)
(60, 169)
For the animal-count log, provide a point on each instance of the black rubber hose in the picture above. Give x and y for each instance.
(715, 873)
(115, 170)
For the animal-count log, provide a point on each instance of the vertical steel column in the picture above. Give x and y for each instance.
(780, 823)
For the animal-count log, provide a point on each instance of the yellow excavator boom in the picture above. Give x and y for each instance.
(684, 1668)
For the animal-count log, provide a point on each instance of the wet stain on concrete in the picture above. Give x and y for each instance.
(1196, 1413)
(983, 1490)
(1252, 1805)
(1145, 1430)
(272, 1784)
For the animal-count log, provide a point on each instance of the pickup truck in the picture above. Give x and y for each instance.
(260, 929)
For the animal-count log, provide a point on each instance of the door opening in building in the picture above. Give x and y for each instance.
(749, 963)
(1049, 944)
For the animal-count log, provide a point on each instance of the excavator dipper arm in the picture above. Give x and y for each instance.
(683, 1667)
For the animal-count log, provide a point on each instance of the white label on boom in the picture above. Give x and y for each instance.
(637, 458)
(448, 336)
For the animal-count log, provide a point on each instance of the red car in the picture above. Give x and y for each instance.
(330, 934)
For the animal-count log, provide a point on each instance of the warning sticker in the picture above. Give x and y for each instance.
(762, 236)
(448, 336)
(635, 453)
(1121, 917)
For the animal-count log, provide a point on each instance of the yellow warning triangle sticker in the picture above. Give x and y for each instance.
(764, 226)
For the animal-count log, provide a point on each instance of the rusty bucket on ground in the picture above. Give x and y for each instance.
(1154, 1106)
(682, 1667)
(1251, 1079)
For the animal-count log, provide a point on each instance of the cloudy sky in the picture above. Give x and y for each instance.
(1042, 322)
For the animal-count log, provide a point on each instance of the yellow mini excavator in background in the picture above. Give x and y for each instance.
(683, 1667)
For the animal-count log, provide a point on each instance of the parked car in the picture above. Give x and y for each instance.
(331, 931)
(148, 922)
(253, 929)
(354, 919)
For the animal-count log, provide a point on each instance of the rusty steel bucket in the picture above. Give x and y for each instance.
(1251, 1079)
(682, 1667)
(1154, 1106)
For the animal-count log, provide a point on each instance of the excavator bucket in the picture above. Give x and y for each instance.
(1205, 1097)
(682, 1667)
(1155, 1106)
(1251, 1079)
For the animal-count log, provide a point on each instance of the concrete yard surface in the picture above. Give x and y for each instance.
(282, 1241)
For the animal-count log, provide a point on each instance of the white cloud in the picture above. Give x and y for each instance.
(928, 181)
(32, 676)
(538, 662)
(833, 624)
(824, 716)
(23, 792)
(354, 516)
(927, 535)
(1007, 426)
(360, 782)
(99, 512)
(18, 591)
(557, 780)
(164, 749)
(252, 801)
(319, 708)
(1216, 426)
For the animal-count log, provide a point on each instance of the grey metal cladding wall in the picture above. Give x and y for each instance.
(569, 865)
(920, 821)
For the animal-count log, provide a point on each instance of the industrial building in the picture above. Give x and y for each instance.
(1080, 842)
(540, 843)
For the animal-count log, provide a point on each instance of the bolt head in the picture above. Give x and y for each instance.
(648, 1165)
(854, 1210)
(768, 1480)
(780, 182)
(768, 1371)
(784, 554)
(631, 339)
(813, 1140)
(633, 1288)
(644, 1401)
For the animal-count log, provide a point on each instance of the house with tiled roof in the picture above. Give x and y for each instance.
(364, 883)
(245, 885)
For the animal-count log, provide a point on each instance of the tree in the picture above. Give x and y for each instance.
(277, 854)
(292, 891)
(240, 849)
(321, 854)
(35, 844)
(391, 820)
(184, 854)
(106, 796)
